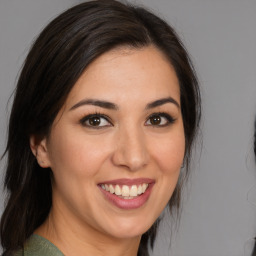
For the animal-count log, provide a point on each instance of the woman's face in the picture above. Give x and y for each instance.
(117, 145)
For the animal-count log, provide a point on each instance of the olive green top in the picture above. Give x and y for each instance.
(38, 246)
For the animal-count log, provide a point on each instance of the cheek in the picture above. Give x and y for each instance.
(75, 162)
(170, 154)
(76, 154)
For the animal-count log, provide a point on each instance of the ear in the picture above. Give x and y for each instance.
(40, 151)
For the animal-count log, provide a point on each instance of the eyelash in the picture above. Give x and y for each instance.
(169, 120)
(97, 115)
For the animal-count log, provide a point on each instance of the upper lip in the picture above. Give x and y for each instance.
(129, 182)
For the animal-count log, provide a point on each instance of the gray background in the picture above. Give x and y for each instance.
(217, 217)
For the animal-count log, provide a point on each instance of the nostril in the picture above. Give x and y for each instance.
(131, 153)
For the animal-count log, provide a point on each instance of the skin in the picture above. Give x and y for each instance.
(127, 145)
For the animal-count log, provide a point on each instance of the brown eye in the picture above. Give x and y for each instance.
(94, 121)
(159, 120)
(155, 120)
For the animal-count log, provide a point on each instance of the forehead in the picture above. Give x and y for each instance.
(127, 73)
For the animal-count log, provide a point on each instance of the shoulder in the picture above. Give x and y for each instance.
(38, 246)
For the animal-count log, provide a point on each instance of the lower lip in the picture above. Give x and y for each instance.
(128, 204)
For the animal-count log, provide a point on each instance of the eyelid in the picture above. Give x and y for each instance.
(87, 117)
(170, 119)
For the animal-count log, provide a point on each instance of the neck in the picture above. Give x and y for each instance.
(74, 238)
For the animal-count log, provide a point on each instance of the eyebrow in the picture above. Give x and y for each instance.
(163, 101)
(99, 103)
(112, 106)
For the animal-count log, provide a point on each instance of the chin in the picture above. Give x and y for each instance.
(128, 229)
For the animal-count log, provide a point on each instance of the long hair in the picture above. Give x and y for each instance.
(254, 249)
(56, 60)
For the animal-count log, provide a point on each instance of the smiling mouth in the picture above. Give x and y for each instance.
(125, 191)
(127, 194)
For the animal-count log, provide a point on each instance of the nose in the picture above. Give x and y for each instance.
(131, 149)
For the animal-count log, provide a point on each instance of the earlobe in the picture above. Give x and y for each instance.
(40, 151)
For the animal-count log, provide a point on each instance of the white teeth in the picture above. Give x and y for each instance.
(133, 190)
(125, 191)
(144, 187)
(111, 189)
(139, 190)
(118, 191)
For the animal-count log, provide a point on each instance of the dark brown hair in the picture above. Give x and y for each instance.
(254, 249)
(56, 60)
(255, 138)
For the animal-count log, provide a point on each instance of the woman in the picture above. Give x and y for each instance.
(105, 113)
